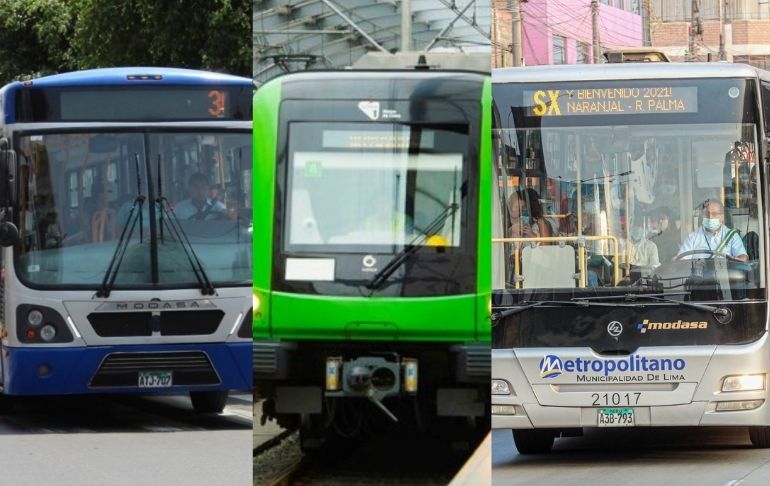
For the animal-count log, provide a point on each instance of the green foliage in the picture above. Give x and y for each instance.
(35, 38)
(46, 36)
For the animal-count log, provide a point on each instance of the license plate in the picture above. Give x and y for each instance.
(616, 417)
(155, 379)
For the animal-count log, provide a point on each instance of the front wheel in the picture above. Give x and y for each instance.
(533, 441)
(208, 402)
(760, 437)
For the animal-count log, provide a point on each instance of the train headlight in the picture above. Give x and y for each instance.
(47, 333)
(410, 375)
(500, 387)
(743, 383)
(333, 373)
(35, 317)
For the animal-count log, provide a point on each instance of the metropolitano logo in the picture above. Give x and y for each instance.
(551, 366)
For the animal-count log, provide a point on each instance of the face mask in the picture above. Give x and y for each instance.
(663, 224)
(637, 233)
(525, 220)
(711, 224)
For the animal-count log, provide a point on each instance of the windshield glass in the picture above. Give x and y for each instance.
(628, 203)
(79, 189)
(374, 187)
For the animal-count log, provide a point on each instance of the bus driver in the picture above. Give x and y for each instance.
(713, 236)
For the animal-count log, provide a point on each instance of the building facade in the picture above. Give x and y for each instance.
(746, 30)
(560, 31)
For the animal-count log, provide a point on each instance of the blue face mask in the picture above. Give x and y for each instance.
(637, 233)
(525, 219)
(711, 224)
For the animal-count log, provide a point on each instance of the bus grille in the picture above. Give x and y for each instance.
(122, 369)
(175, 323)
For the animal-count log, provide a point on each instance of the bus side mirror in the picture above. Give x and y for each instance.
(7, 174)
(9, 234)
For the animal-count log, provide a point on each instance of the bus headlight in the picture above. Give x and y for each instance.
(35, 317)
(743, 383)
(47, 333)
(500, 387)
(255, 303)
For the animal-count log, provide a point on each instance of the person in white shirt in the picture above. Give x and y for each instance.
(199, 206)
(713, 236)
(644, 253)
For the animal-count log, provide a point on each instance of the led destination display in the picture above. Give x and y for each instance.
(600, 101)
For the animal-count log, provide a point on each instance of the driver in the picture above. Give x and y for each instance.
(713, 236)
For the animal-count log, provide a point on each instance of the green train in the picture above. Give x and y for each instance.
(372, 275)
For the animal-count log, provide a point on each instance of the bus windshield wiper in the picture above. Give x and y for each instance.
(125, 237)
(496, 316)
(411, 247)
(181, 237)
(720, 311)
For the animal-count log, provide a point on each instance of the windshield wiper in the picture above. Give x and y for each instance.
(410, 248)
(719, 311)
(125, 237)
(181, 237)
(496, 316)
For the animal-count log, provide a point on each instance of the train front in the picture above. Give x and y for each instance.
(373, 296)
(130, 269)
(630, 257)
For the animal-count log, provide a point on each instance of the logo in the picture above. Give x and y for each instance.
(369, 261)
(614, 328)
(370, 109)
(646, 325)
(550, 366)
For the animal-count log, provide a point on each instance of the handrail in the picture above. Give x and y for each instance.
(559, 239)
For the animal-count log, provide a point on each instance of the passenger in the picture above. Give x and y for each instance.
(714, 236)
(664, 233)
(644, 253)
(526, 213)
(199, 206)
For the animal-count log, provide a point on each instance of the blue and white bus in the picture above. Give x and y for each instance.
(125, 197)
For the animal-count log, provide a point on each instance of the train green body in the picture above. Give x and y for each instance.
(322, 296)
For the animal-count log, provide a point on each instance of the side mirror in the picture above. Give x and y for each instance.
(9, 234)
(7, 174)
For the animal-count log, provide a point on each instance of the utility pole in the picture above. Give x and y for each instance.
(406, 25)
(694, 30)
(595, 29)
(516, 32)
(722, 53)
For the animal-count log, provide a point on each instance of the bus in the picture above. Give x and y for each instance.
(373, 289)
(126, 234)
(631, 264)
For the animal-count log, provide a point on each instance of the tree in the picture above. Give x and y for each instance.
(204, 34)
(35, 38)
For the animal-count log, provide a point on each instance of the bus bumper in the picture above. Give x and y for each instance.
(116, 369)
(689, 402)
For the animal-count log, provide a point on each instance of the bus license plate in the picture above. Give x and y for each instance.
(155, 379)
(616, 417)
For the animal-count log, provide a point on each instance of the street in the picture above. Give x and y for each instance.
(660, 456)
(122, 440)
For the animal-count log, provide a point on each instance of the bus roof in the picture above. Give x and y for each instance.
(120, 76)
(603, 72)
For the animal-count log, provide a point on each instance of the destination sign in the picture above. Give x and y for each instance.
(379, 139)
(611, 101)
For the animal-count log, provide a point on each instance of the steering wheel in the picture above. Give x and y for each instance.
(708, 252)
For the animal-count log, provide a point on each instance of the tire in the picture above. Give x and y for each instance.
(533, 441)
(760, 437)
(208, 402)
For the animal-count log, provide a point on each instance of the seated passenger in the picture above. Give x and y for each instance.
(526, 216)
(714, 236)
(644, 253)
(199, 206)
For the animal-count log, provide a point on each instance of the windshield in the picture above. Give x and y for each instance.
(600, 196)
(78, 190)
(374, 187)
